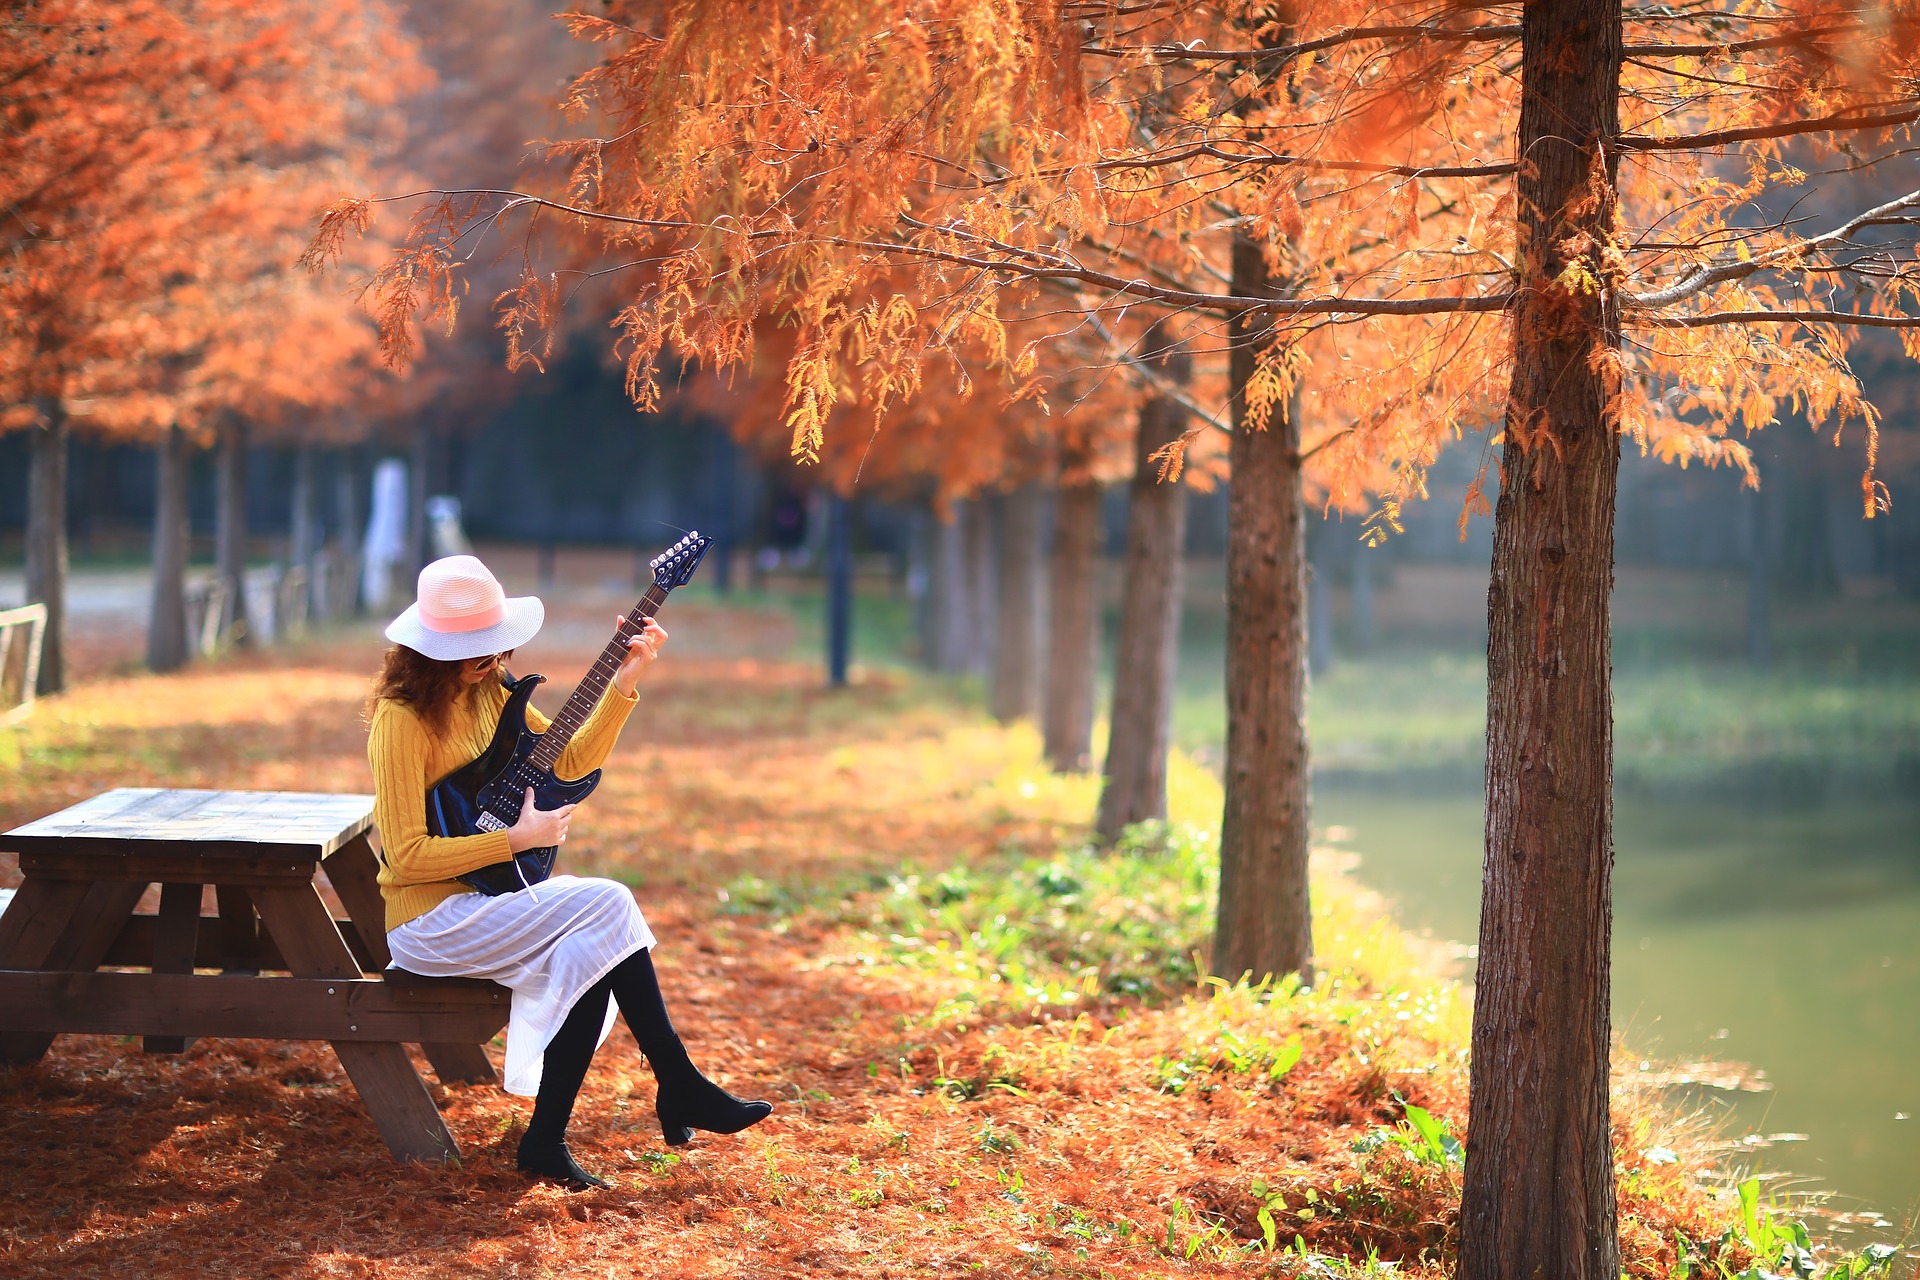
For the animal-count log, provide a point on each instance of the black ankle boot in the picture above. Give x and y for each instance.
(687, 1100)
(553, 1160)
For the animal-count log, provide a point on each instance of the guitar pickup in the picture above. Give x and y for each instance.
(487, 822)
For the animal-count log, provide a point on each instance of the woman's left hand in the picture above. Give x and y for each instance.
(641, 650)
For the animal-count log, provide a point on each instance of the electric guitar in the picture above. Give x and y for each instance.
(487, 795)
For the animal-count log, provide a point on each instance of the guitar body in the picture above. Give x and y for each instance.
(487, 795)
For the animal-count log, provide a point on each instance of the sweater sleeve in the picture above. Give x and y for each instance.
(397, 750)
(594, 742)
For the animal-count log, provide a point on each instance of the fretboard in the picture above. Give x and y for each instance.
(587, 694)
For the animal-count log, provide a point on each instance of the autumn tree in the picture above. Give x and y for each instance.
(1386, 213)
(159, 160)
(1020, 189)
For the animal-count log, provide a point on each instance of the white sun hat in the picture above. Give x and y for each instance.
(462, 612)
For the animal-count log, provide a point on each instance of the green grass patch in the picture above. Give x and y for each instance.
(1053, 930)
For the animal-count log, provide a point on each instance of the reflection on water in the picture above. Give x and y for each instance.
(1788, 940)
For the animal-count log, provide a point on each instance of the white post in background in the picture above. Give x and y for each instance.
(446, 536)
(386, 542)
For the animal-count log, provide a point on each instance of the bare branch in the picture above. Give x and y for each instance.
(1349, 35)
(1736, 46)
(1707, 318)
(1705, 277)
(1213, 151)
(1725, 137)
(1033, 265)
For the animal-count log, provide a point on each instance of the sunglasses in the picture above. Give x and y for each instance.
(483, 665)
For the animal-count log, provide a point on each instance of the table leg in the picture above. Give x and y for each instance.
(175, 936)
(389, 1086)
(35, 920)
(90, 929)
(354, 875)
(239, 931)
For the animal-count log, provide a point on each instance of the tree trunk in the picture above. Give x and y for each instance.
(303, 542)
(1134, 786)
(917, 579)
(1264, 925)
(1539, 1193)
(839, 589)
(230, 529)
(418, 549)
(344, 583)
(948, 622)
(47, 538)
(1021, 616)
(167, 645)
(1073, 637)
(982, 595)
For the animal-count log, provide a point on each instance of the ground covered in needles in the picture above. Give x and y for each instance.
(987, 1045)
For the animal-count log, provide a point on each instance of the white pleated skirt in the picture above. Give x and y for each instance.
(547, 943)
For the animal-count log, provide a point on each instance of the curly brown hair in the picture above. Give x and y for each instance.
(428, 685)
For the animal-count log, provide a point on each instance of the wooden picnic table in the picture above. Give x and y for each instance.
(74, 928)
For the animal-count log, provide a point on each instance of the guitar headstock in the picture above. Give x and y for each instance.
(674, 566)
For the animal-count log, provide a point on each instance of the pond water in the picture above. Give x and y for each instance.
(1783, 938)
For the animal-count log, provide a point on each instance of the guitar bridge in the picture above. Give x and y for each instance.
(487, 822)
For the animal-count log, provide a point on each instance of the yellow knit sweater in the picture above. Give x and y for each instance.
(418, 870)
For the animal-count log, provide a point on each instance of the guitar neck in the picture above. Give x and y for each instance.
(593, 685)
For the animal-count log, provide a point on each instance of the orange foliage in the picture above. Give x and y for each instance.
(159, 164)
(926, 179)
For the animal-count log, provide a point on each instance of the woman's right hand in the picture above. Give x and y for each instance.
(538, 828)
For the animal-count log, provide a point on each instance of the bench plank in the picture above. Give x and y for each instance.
(143, 1004)
(162, 866)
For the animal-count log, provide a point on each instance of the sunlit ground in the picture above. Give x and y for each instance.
(1766, 892)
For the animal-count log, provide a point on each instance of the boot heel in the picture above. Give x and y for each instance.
(673, 1133)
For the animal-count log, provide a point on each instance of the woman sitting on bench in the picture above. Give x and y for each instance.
(566, 946)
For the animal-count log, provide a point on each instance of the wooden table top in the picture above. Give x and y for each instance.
(150, 820)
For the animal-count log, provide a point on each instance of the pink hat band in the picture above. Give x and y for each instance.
(475, 620)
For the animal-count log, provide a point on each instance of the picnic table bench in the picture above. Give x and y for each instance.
(73, 929)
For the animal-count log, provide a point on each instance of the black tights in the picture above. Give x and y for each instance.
(685, 1099)
(570, 1052)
